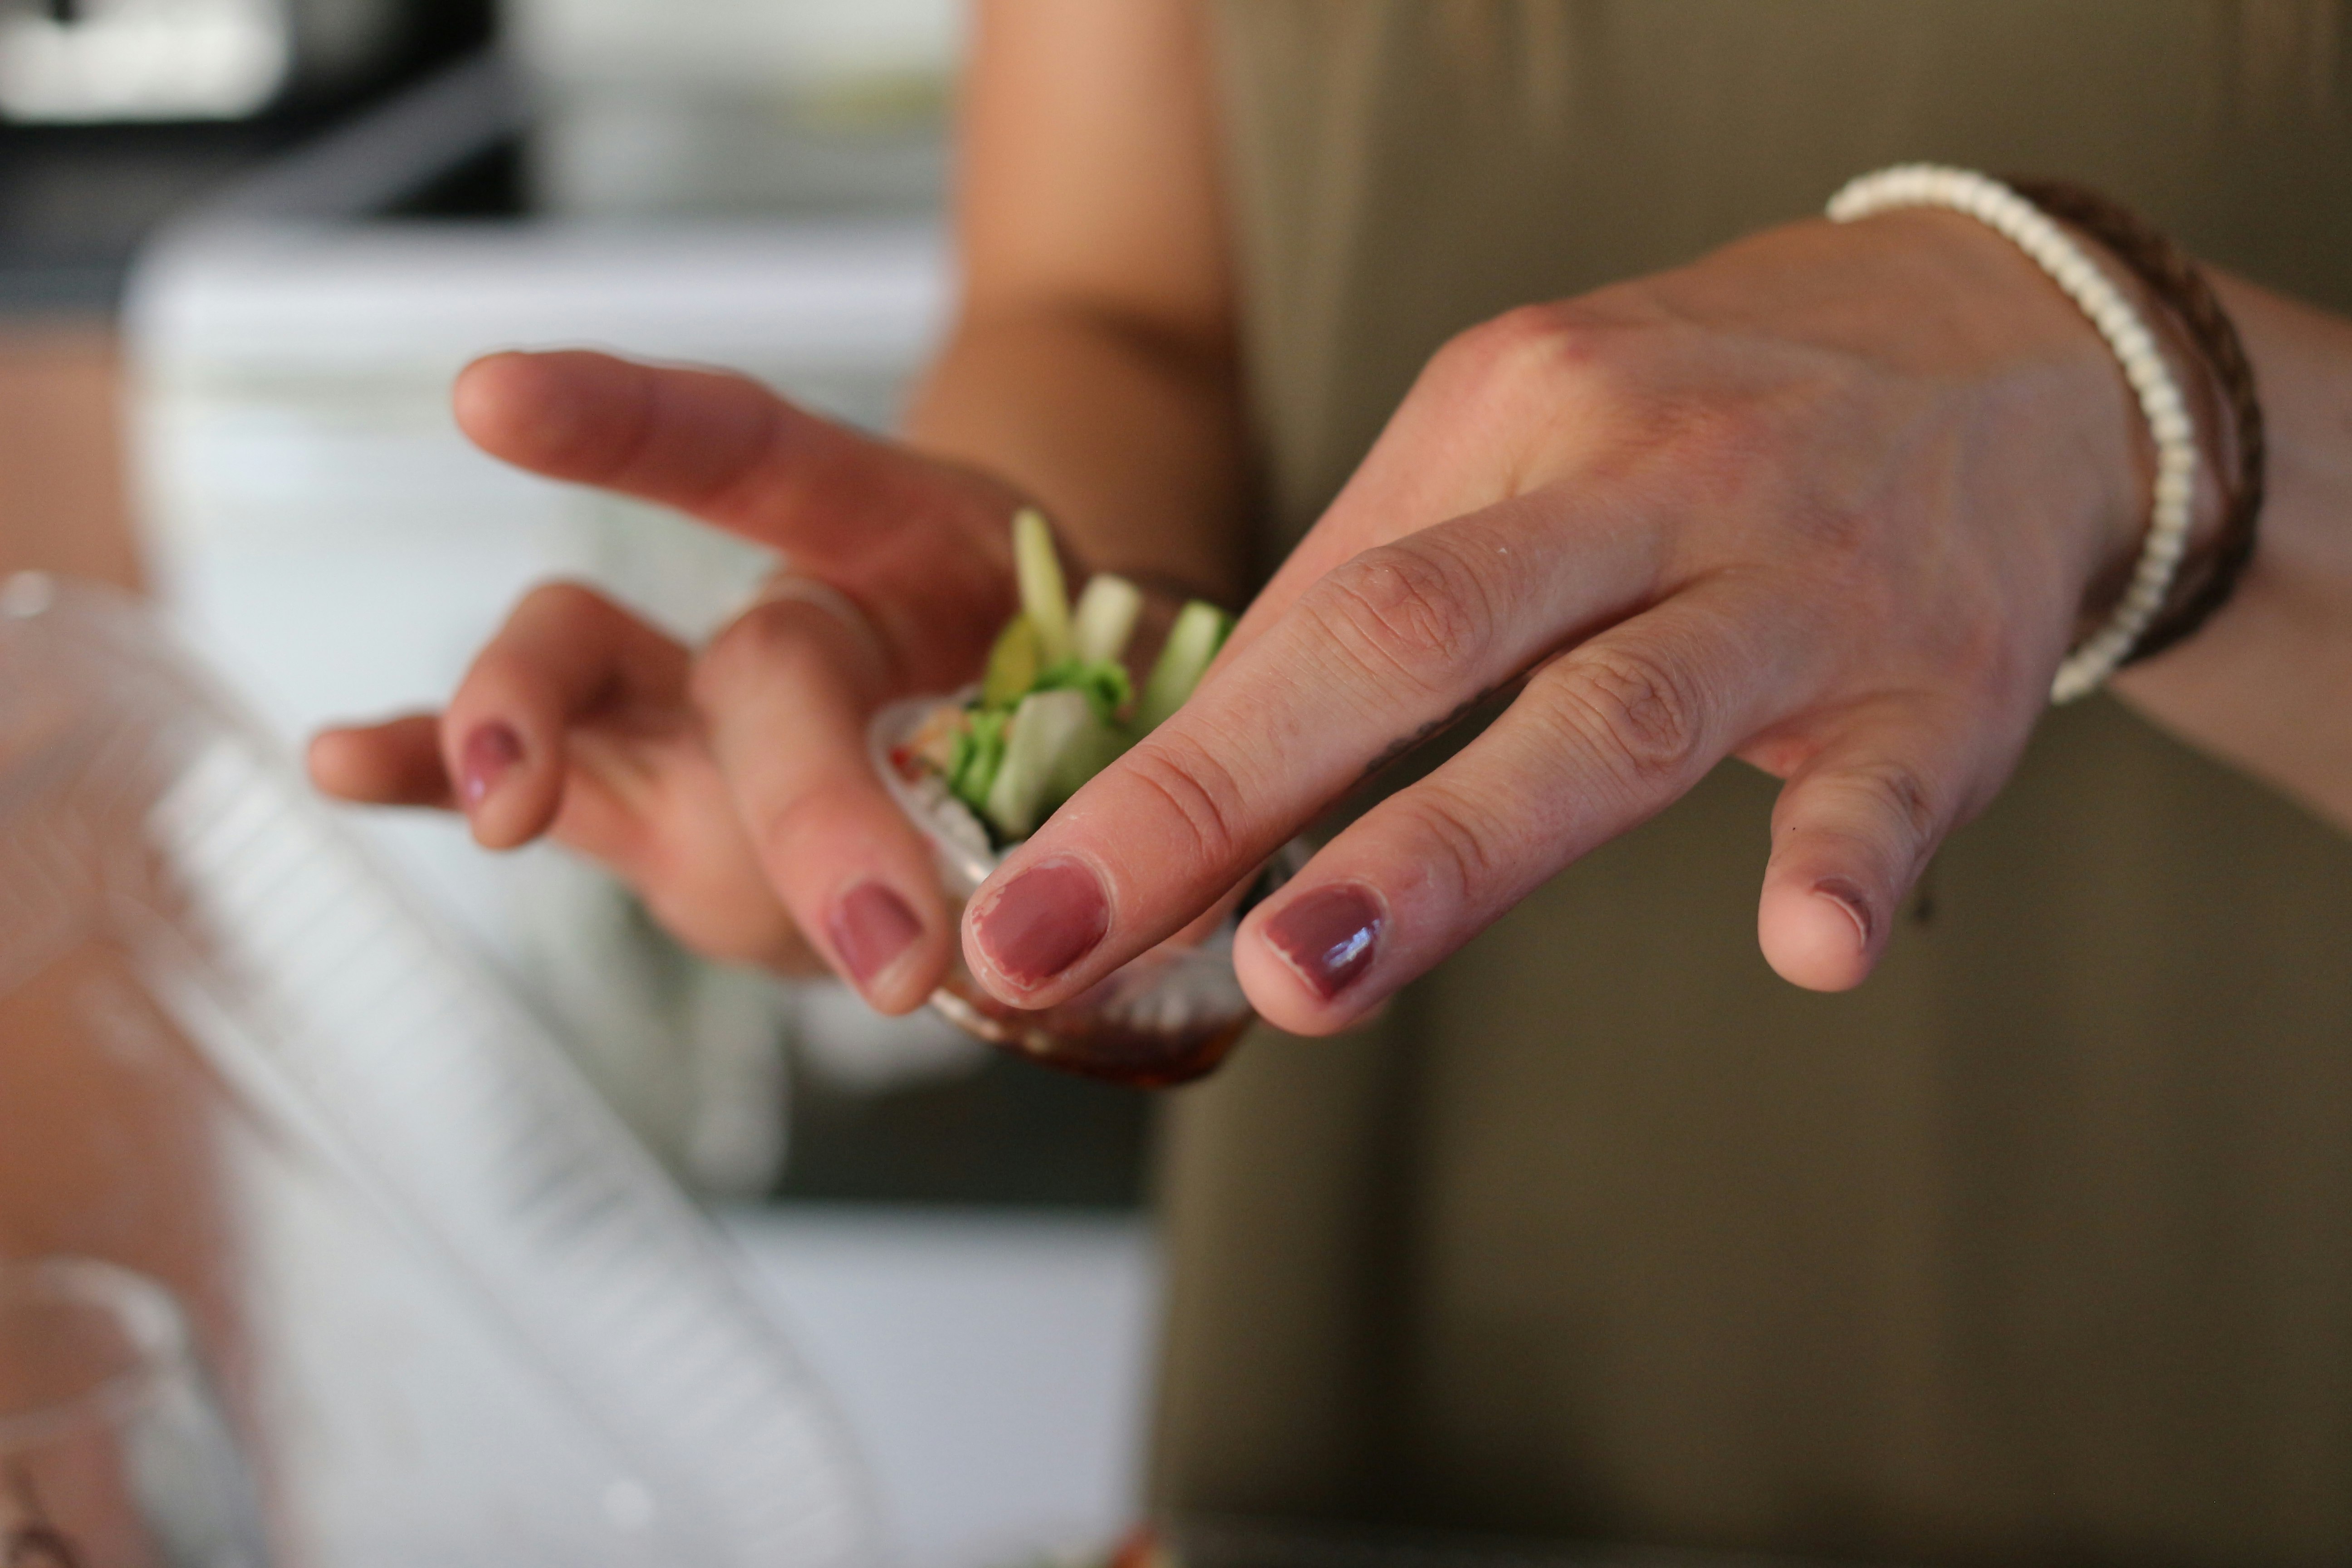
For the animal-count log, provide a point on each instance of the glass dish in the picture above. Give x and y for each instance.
(1165, 1017)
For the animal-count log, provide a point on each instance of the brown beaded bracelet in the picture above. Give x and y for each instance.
(2175, 282)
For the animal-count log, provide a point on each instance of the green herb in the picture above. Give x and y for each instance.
(1104, 685)
(979, 753)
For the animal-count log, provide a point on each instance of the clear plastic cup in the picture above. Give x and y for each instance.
(1165, 1017)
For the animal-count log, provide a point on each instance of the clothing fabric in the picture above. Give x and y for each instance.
(2037, 1248)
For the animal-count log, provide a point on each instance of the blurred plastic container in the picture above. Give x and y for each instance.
(455, 1315)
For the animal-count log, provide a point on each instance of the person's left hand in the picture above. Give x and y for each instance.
(1834, 501)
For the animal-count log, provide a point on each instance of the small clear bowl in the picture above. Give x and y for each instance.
(1164, 1018)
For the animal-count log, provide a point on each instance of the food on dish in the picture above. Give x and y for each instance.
(979, 771)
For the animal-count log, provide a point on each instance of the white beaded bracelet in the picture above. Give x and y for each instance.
(2031, 230)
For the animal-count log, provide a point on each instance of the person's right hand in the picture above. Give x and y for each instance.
(731, 790)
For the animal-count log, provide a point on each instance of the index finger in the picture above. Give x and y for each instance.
(920, 544)
(1375, 657)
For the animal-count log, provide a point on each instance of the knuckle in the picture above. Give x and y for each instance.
(1527, 350)
(555, 631)
(1410, 611)
(780, 829)
(1640, 707)
(1458, 844)
(1904, 796)
(763, 643)
(563, 602)
(1197, 790)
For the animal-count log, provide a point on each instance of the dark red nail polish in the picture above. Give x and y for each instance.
(489, 751)
(1048, 918)
(1329, 935)
(1849, 898)
(871, 926)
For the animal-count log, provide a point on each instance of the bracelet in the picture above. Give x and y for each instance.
(2176, 282)
(2014, 218)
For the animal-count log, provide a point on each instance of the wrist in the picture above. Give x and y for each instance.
(2159, 604)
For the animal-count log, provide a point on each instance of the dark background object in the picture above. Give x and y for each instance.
(77, 199)
(1010, 1134)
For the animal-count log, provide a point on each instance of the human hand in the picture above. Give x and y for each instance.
(1834, 501)
(731, 790)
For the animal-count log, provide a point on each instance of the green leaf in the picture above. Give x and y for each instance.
(980, 756)
(1104, 683)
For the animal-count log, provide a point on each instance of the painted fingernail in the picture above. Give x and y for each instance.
(871, 926)
(1850, 899)
(488, 753)
(1048, 918)
(1329, 936)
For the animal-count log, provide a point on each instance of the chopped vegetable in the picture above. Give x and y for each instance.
(1105, 619)
(1105, 684)
(1044, 726)
(1042, 597)
(1057, 705)
(1012, 664)
(974, 767)
(1200, 629)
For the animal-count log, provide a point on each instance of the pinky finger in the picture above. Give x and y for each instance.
(1851, 834)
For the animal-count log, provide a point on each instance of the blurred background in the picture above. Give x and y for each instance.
(243, 247)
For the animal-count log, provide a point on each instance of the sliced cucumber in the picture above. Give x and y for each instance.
(1200, 629)
(1087, 752)
(1044, 726)
(1106, 617)
(1043, 596)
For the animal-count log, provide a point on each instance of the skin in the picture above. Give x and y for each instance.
(1834, 499)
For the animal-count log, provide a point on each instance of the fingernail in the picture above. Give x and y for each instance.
(1850, 899)
(1048, 918)
(871, 926)
(1329, 936)
(489, 753)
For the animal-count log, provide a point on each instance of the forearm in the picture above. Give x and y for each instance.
(2267, 684)
(1094, 364)
(1132, 442)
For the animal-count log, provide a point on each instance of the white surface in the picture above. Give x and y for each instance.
(767, 45)
(994, 1369)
